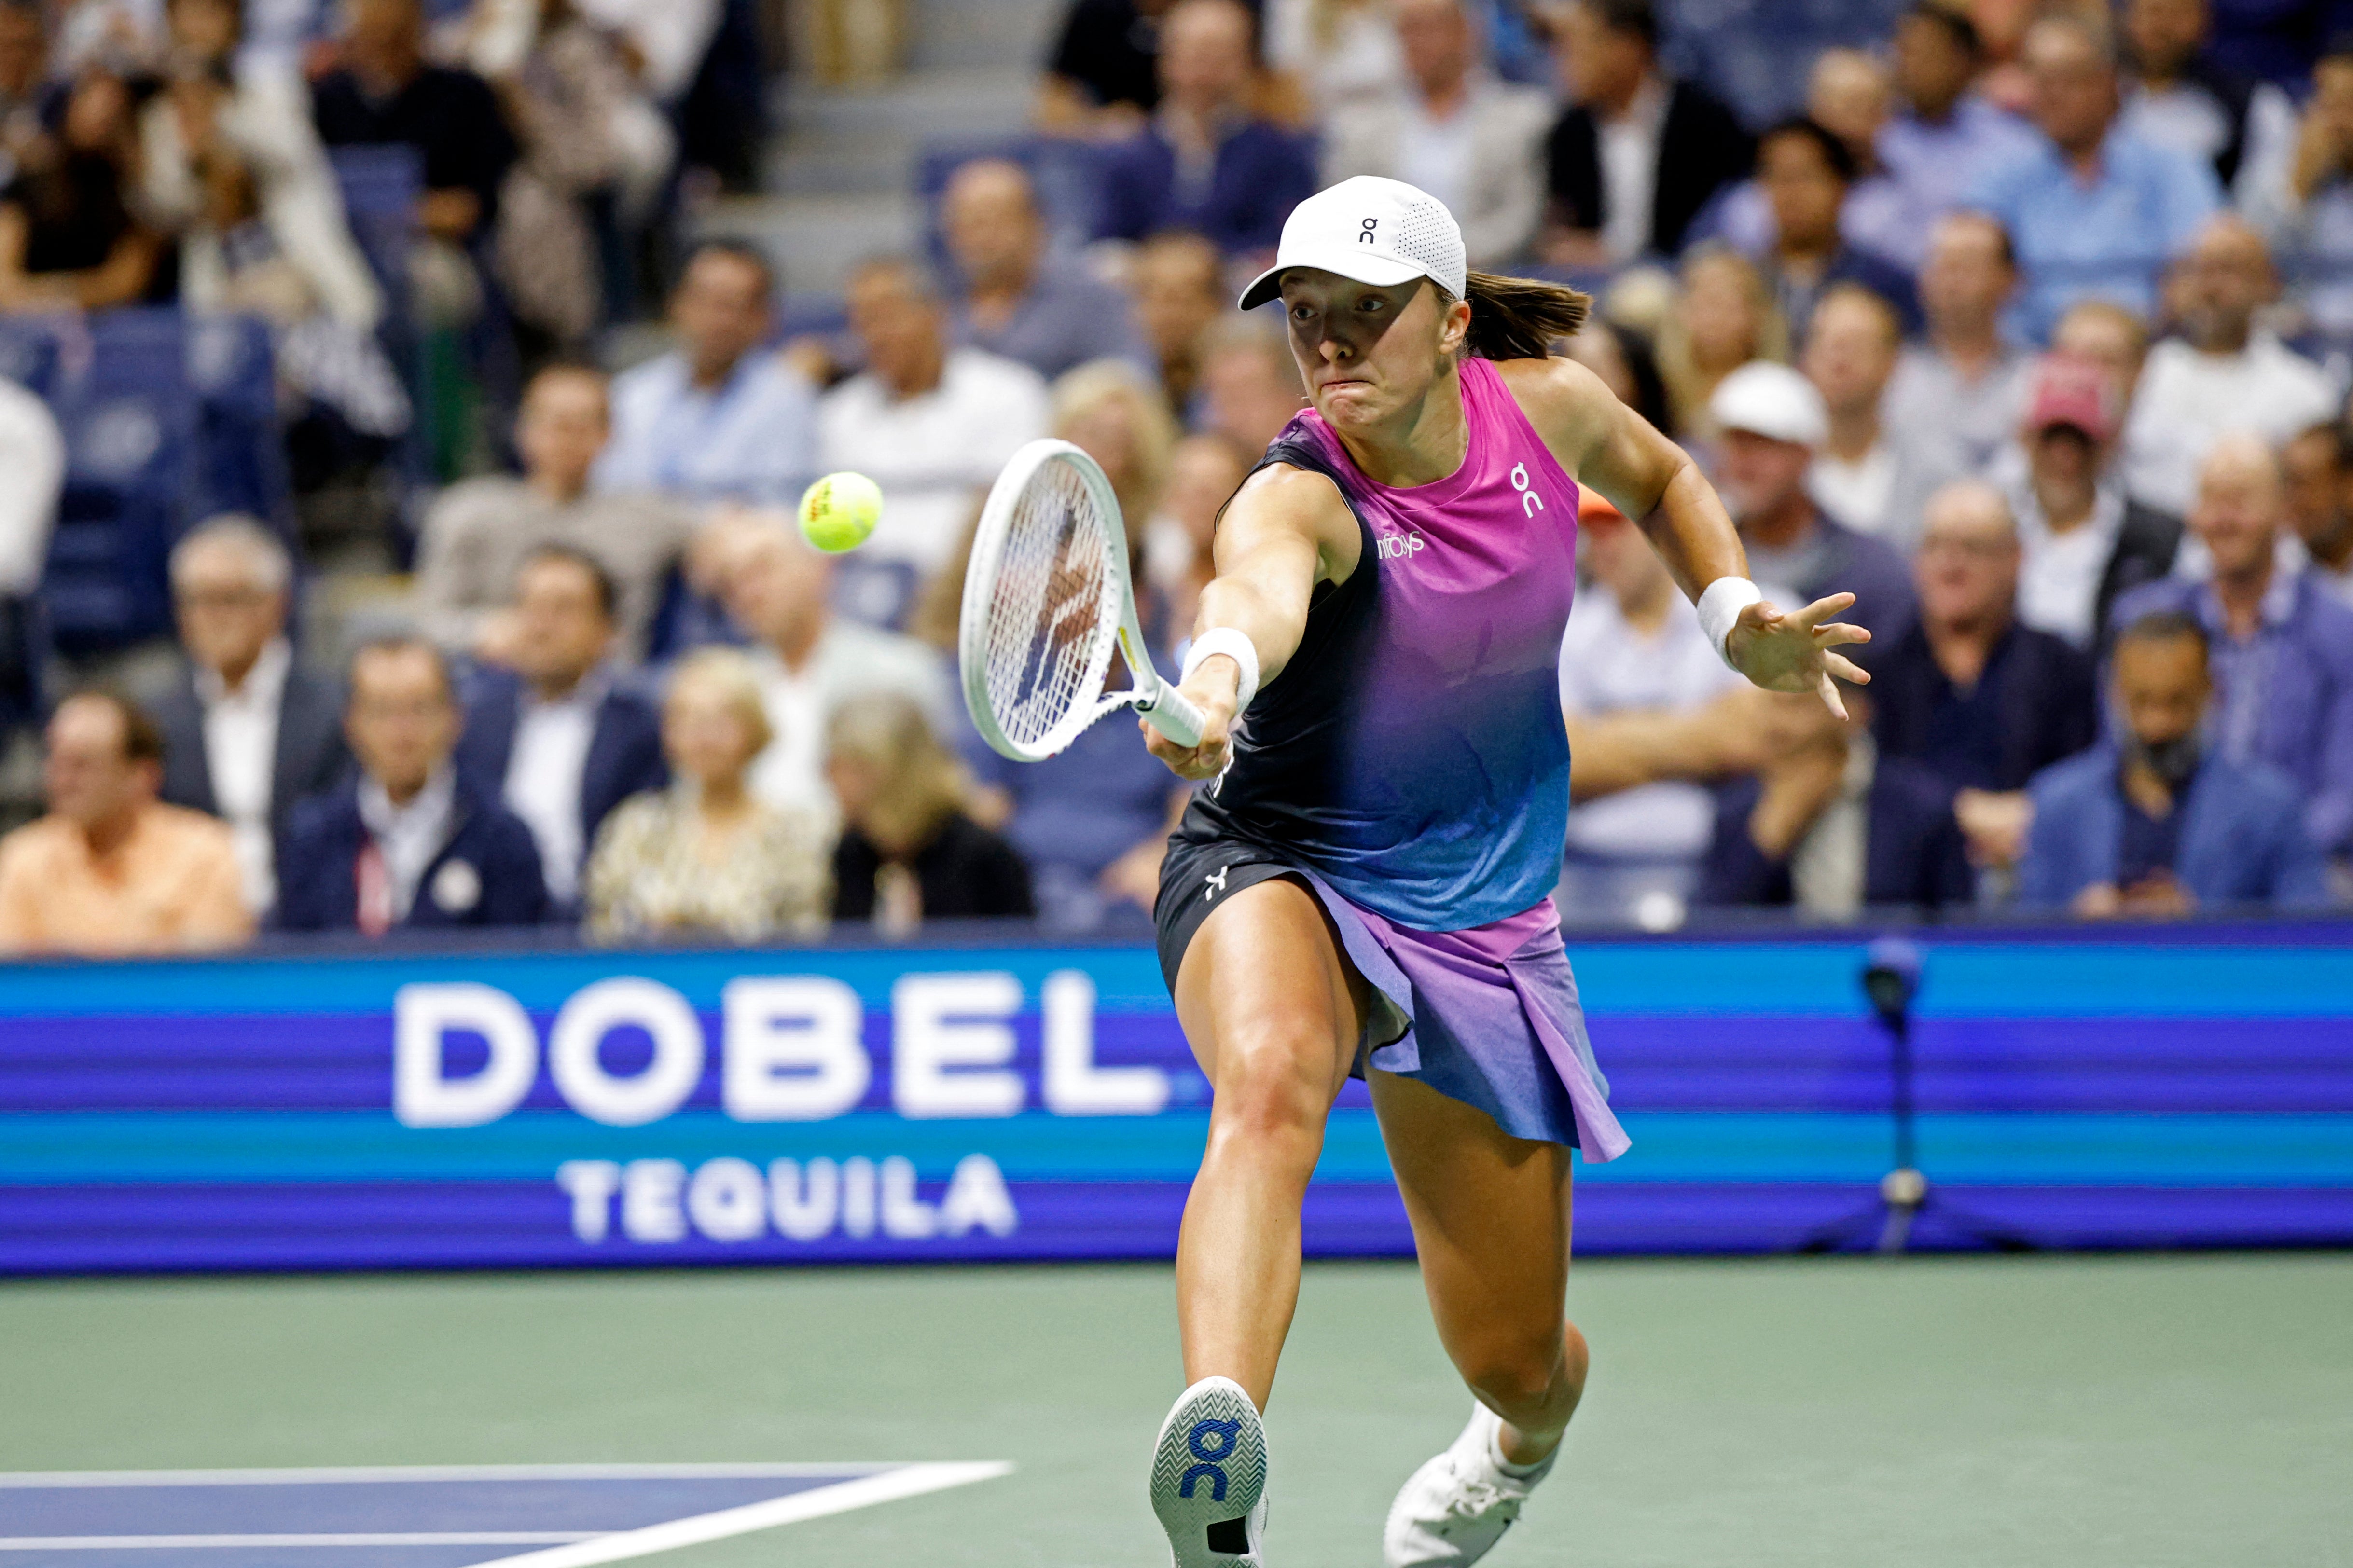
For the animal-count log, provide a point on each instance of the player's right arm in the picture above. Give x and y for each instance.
(1285, 530)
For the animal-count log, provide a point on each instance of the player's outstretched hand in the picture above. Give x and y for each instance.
(1212, 691)
(1790, 650)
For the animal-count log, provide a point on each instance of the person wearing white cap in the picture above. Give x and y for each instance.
(1364, 889)
(1774, 423)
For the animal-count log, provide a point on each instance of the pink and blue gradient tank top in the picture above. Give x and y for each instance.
(1412, 752)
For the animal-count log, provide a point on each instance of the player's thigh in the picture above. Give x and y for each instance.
(1265, 985)
(1491, 1218)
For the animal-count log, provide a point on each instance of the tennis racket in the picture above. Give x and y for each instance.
(1047, 599)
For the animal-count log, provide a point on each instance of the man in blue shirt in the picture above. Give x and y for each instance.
(1013, 297)
(2093, 211)
(1945, 138)
(2283, 646)
(1205, 162)
(719, 417)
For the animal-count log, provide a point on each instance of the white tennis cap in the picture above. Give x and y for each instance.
(1376, 231)
(1773, 401)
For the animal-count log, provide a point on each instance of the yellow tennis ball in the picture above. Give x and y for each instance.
(839, 511)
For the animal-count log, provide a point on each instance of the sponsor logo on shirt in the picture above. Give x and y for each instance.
(1531, 503)
(1399, 546)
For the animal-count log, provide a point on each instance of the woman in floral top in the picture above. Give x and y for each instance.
(705, 857)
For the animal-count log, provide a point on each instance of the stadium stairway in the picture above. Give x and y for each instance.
(838, 177)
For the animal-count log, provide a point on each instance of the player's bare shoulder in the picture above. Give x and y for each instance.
(1280, 501)
(1571, 407)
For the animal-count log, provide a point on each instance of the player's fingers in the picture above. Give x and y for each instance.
(1830, 691)
(1821, 610)
(1838, 633)
(1845, 669)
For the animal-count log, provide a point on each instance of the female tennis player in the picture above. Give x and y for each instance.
(1365, 888)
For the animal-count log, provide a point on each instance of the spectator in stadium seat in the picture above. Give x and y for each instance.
(1774, 423)
(2086, 541)
(1871, 474)
(2178, 95)
(1250, 386)
(1103, 77)
(1452, 129)
(1017, 301)
(2319, 469)
(383, 91)
(719, 417)
(1204, 472)
(1637, 154)
(2282, 646)
(26, 93)
(1722, 316)
(908, 852)
(1634, 646)
(1961, 388)
(809, 662)
(1984, 702)
(1338, 52)
(2159, 821)
(1832, 826)
(111, 869)
(2092, 209)
(1946, 136)
(1178, 284)
(408, 841)
(1850, 95)
(931, 422)
(2224, 373)
(707, 856)
(1205, 162)
(1806, 173)
(480, 531)
(2304, 205)
(248, 732)
(561, 740)
(69, 238)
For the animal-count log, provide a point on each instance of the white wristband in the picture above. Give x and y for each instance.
(1719, 611)
(1235, 646)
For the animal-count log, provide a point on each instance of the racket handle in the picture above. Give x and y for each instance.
(1173, 714)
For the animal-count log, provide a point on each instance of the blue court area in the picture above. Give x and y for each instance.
(541, 1516)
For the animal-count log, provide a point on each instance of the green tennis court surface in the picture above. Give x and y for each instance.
(2094, 1413)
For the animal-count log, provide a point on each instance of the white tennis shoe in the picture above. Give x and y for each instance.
(1454, 1509)
(1208, 1478)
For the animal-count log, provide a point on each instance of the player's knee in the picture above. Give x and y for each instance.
(1269, 1084)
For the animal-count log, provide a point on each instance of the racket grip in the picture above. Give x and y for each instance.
(1173, 714)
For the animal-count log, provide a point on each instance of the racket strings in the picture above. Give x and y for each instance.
(1052, 609)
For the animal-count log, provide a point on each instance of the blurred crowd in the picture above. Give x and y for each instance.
(2031, 328)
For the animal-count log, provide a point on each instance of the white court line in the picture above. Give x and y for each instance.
(409, 1538)
(335, 1473)
(906, 1481)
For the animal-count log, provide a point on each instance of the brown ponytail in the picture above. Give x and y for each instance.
(1520, 318)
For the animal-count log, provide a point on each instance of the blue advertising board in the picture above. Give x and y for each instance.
(906, 1104)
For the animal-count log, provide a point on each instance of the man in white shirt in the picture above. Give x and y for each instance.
(2223, 374)
(248, 733)
(33, 457)
(1472, 142)
(1961, 390)
(1634, 646)
(811, 662)
(1868, 475)
(931, 424)
(719, 417)
(560, 740)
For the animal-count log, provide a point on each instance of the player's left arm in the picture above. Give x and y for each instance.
(1651, 480)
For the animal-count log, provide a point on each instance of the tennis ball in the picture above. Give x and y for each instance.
(839, 511)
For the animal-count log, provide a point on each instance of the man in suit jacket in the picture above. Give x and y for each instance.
(1471, 141)
(1636, 157)
(1985, 703)
(1832, 826)
(1205, 162)
(2158, 823)
(556, 740)
(406, 842)
(248, 733)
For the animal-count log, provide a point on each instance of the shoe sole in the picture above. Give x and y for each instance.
(1209, 1466)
